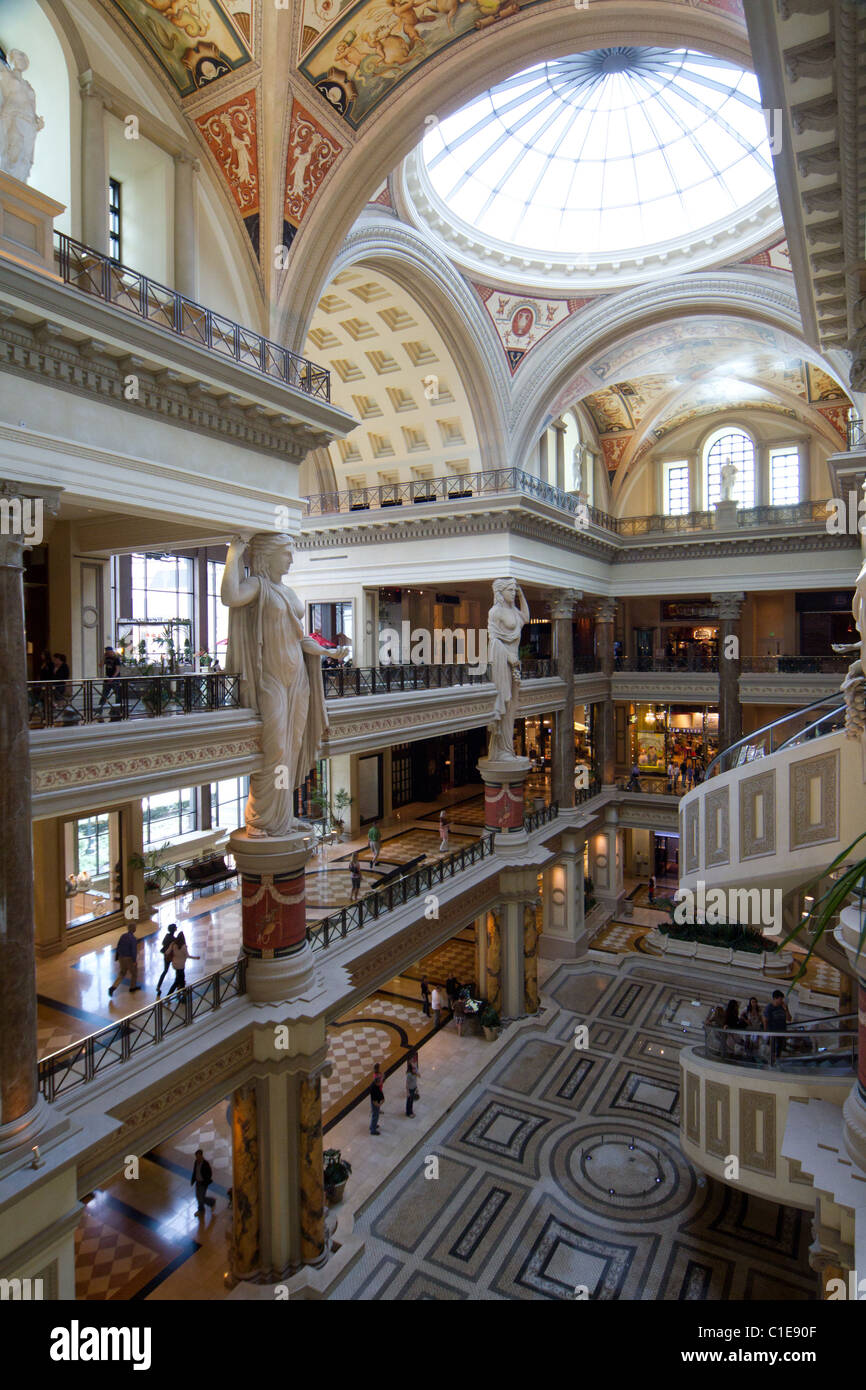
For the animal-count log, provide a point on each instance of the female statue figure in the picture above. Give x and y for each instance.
(281, 676)
(504, 625)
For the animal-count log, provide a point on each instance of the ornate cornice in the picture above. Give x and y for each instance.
(121, 768)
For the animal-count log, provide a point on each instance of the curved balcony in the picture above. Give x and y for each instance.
(66, 704)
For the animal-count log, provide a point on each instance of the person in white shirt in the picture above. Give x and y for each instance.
(437, 1003)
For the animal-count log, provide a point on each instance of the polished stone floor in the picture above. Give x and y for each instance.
(561, 1168)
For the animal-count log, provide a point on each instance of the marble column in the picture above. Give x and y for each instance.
(561, 607)
(543, 459)
(185, 241)
(559, 427)
(493, 982)
(311, 1171)
(564, 932)
(21, 1109)
(604, 733)
(245, 1246)
(606, 861)
(530, 959)
(94, 165)
(729, 608)
(279, 962)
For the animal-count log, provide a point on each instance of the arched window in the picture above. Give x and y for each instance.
(729, 445)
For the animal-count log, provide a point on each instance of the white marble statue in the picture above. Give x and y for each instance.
(577, 467)
(19, 123)
(729, 474)
(281, 676)
(505, 622)
(854, 684)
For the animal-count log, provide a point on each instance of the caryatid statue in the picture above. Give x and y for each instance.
(19, 123)
(281, 677)
(854, 684)
(505, 622)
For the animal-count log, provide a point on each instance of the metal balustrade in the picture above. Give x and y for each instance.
(701, 664)
(802, 1047)
(65, 704)
(542, 816)
(90, 1057)
(856, 433)
(93, 273)
(504, 480)
(794, 665)
(797, 726)
(373, 905)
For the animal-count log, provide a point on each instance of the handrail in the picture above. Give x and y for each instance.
(727, 759)
(94, 273)
(68, 703)
(834, 719)
(856, 433)
(89, 1057)
(455, 487)
(401, 890)
(784, 1051)
(543, 816)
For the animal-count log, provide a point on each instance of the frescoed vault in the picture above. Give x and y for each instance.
(195, 42)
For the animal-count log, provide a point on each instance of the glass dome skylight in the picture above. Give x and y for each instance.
(615, 150)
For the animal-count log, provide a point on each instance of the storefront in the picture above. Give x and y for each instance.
(660, 735)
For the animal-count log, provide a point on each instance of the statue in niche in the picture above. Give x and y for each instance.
(281, 677)
(505, 622)
(729, 475)
(854, 685)
(577, 466)
(19, 123)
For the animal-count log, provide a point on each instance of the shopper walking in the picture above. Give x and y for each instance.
(126, 955)
(202, 1177)
(111, 667)
(412, 1089)
(425, 995)
(355, 875)
(777, 1016)
(459, 1012)
(165, 948)
(374, 840)
(444, 831)
(377, 1099)
(179, 957)
(651, 889)
(437, 1002)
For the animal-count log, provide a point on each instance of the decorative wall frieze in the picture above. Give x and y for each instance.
(63, 364)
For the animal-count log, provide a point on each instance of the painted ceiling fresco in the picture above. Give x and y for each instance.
(310, 154)
(521, 321)
(196, 42)
(776, 257)
(231, 134)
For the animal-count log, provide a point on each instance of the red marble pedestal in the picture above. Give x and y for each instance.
(504, 780)
(273, 906)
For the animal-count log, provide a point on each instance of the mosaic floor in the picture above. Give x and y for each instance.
(409, 844)
(562, 1168)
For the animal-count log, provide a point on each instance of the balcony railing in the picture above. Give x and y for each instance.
(811, 721)
(96, 274)
(64, 704)
(421, 880)
(794, 665)
(543, 816)
(450, 489)
(803, 1047)
(90, 1057)
(503, 480)
(856, 433)
(697, 664)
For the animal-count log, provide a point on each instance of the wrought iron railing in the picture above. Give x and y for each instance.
(856, 433)
(794, 665)
(401, 890)
(584, 665)
(533, 820)
(502, 480)
(421, 490)
(342, 682)
(90, 1057)
(698, 663)
(586, 793)
(64, 704)
(94, 273)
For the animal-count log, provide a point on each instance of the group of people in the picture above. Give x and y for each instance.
(434, 999)
(684, 775)
(377, 1090)
(753, 1020)
(175, 954)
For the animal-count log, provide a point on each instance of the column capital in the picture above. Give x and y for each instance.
(25, 514)
(559, 425)
(89, 87)
(605, 610)
(561, 602)
(182, 158)
(729, 606)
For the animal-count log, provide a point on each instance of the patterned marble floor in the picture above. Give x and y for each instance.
(384, 1029)
(562, 1168)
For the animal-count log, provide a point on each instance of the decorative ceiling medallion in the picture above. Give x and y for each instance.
(231, 135)
(195, 42)
(520, 321)
(311, 152)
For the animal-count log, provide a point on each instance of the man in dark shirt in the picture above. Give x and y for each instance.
(377, 1100)
(202, 1177)
(777, 1016)
(111, 667)
(126, 955)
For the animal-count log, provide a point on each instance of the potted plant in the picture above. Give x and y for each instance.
(337, 1170)
(491, 1023)
(339, 806)
(154, 872)
(847, 883)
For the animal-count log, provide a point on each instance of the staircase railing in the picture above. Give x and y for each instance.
(780, 733)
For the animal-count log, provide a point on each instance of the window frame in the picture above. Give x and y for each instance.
(709, 443)
(667, 468)
(115, 219)
(787, 449)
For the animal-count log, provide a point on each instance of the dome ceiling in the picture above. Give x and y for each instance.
(603, 168)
